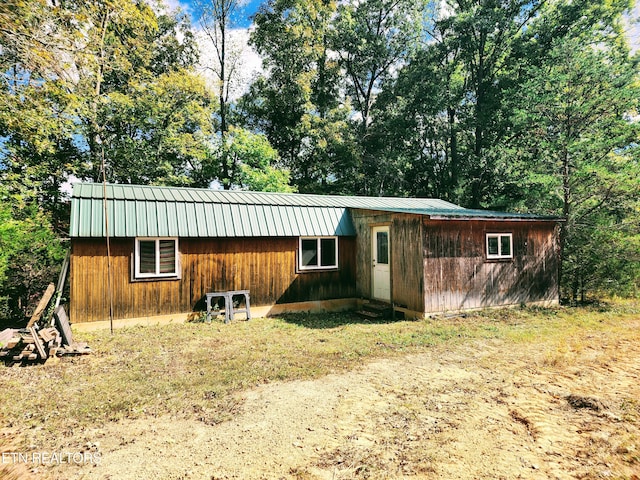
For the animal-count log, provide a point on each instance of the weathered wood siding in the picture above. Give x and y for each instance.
(265, 266)
(363, 220)
(405, 239)
(406, 261)
(458, 275)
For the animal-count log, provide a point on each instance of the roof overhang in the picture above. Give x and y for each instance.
(465, 214)
(533, 218)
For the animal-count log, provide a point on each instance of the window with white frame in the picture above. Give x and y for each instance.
(156, 257)
(499, 245)
(318, 253)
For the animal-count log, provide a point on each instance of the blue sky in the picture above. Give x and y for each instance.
(248, 9)
(633, 31)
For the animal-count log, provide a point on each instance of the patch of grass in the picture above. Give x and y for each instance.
(194, 369)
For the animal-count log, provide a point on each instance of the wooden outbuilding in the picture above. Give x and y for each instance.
(171, 246)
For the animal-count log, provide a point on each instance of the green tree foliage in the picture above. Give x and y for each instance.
(578, 156)
(159, 132)
(217, 20)
(446, 113)
(372, 38)
(255, 161)
(417, 137)
(325, 63)
(513, 104)
(298, 104)
(110, 82)
(466, 101)
(82, 82)
(30, 252)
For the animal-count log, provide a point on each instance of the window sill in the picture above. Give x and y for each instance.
(317, 270)
(155, 279)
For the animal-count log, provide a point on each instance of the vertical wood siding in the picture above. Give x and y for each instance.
(458, 276)
(363, 220)
(440, 265)
(406, 262)
(435, 266)
(405, 240)
(265, 266)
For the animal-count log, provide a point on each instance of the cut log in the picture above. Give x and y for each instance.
(42, 306)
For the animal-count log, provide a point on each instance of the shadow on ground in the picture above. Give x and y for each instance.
(328, 320)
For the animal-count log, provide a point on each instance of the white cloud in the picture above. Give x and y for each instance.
(249, 63)
(166, 6)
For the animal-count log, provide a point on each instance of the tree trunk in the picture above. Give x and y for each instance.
(566, 210)
(226, 168)
(453, 148)
(95, 141)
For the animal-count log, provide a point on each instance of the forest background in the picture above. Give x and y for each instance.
(519, 105)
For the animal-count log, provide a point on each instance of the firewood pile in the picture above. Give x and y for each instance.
(45, 336)
(28, 345)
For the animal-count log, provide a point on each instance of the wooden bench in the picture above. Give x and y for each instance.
(229, 311)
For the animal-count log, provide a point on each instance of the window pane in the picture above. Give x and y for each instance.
(309, 253)
(328, 252)
(505, 246)
(167, 256)
(492, 246)
(382, 241)
(147, 256)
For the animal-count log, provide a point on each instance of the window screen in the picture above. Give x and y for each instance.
(167, 256)
(147, 252)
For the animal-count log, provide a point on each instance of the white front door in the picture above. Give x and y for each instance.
(381, 274)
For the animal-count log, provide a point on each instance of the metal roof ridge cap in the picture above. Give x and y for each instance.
(198, 195)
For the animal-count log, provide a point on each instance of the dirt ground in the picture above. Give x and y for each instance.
(473, 411)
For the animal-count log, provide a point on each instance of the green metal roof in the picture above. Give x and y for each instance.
(149, 211)
(143, 211)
